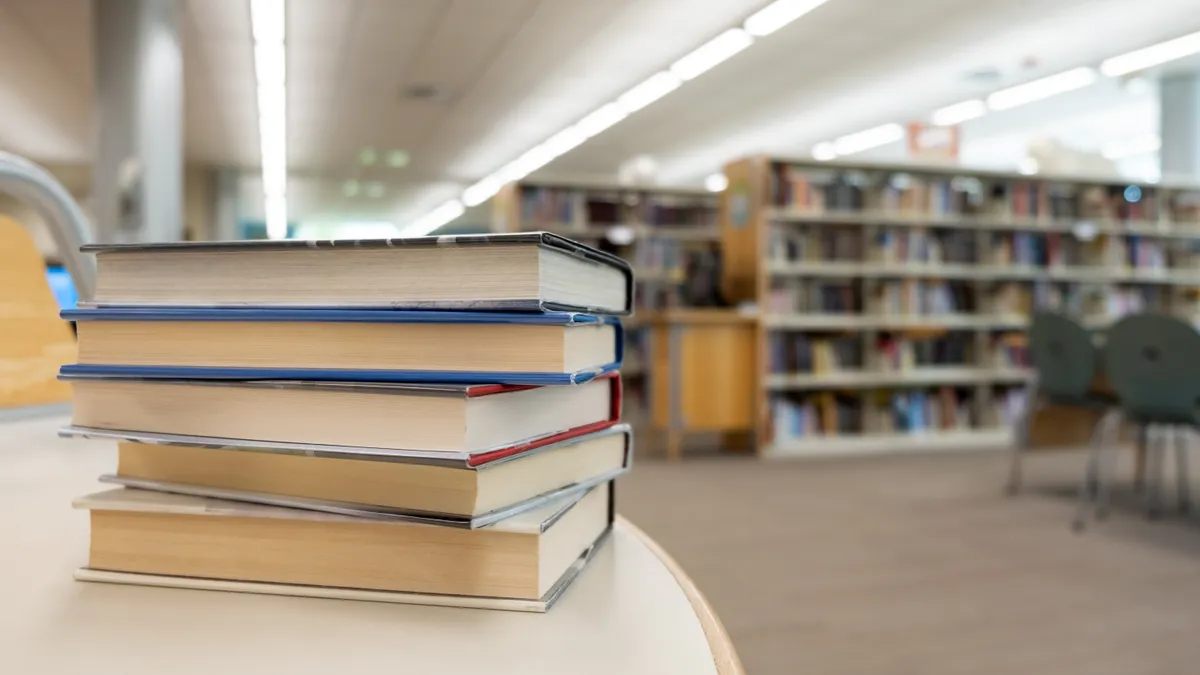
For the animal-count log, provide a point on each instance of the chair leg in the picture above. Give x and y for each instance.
(1107, 469)
(1014, 470)
(1091, 475)
(1182, 477)
(1021, 442)
(1139, 460)
(1155, 456)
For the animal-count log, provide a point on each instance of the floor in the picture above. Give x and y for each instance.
(918, 565)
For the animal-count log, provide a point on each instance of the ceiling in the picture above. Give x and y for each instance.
(506, 74)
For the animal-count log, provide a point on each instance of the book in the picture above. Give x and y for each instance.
(528, 271)
(473, 492)
(432, 418)
(345, 345)
(531, 556)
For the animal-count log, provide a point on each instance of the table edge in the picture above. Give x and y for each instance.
(724, 654)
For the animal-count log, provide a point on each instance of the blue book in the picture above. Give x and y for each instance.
(345, 345)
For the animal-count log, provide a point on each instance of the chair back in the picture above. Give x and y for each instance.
(1153, 363)
(1064, 356)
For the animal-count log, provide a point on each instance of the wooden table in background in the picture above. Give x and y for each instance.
(631, 611)
(702, 373)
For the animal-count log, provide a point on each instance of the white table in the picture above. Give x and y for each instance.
(631, 611)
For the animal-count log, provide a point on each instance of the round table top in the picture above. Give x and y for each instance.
(631, 611)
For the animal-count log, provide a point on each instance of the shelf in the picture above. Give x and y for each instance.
(917, 377)
(884, 322)
(883, 444)
(875, 270)
(1146, 228)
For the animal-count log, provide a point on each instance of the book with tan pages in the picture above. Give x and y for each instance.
(202, 542)
(386, 486)
(525, 271)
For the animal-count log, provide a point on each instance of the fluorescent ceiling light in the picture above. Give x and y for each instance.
(1028, 166)
(711, 53)
(267, 22)
(434, 219)
(824, 151)
(600, 120)
(716, 182)
(563, 142)
(779, 14)
(1077, 78)
(959, 113)
(482, 191)
(657, 86)
(275, 214)
(1151, 56)
(1132, 147)
(871, 138)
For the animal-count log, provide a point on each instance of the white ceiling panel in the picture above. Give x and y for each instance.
(507, 74)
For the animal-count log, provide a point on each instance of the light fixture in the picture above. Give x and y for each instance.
(1151, 56)
(267, 25)
(959, 113)
(1131, 147)
(655, 87)
(870, 138)
(600, 120)
(698, 61)
(434, 219)
(350, 188)
(711, 53)
(824, 152)
(1076, 78)
(375, 189)
(717, 182)
(563, 142)
(397, 159)
(1028, 166)
(482, 191)
(779, 14)
(368, 156)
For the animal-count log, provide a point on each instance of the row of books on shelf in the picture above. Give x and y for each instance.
(941, 245)
(542, 206)
(809, 189)
(908, 296)
(891, 412)
(797, 352)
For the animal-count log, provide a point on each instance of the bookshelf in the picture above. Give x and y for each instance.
(893, 300)
(669, 235)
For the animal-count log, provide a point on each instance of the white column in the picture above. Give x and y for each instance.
(1179, 108)
(137, 182)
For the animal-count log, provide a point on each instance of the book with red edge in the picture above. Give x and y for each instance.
(467, 424)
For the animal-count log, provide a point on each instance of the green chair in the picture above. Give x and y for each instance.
(1153, 363)
(1066, 359)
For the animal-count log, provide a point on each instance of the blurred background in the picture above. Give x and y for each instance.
(843, 216)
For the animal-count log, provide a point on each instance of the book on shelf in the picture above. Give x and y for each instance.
(532, 556)
(345, 345)
(518, 272)
(474, 492)
(439, 420)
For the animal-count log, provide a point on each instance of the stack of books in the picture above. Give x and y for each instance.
(431, 420)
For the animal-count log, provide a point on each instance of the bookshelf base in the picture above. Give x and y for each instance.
(886, 444)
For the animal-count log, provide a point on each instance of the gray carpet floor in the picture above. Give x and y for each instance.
(917, 565)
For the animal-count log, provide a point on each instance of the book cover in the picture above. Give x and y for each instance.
(544, 240)
(202, 315)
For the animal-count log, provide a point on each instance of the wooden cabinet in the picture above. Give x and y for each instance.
(702, 373)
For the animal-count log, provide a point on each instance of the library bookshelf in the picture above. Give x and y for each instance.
(669, 235)
(893, 300)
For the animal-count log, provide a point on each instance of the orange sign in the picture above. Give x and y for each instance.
(930, 142)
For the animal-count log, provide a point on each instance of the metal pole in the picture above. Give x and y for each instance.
(31, 183)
